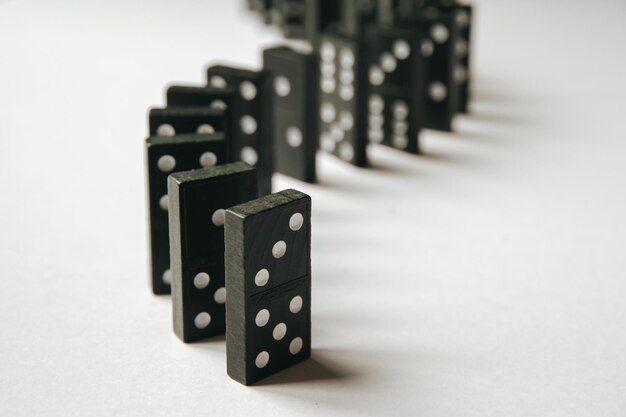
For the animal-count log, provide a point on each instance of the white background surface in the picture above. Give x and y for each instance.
(486, 278)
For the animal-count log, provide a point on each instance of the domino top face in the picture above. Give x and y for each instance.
(268, 285)
(201, 197)
(295, 98)
(164, 155)
(396, 73)
(189, 96)
(343, 98)
(172, 121)
(250, 131)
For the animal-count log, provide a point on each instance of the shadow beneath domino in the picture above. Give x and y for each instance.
(318, 368)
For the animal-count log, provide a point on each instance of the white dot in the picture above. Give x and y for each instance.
(327, 112)
(461, 18)
(400, 142)
(164, 202)
(218, 217)
(401, 49)
(376, 75)
(328, 85)
(202, 320)
(218, 105)
(205, 129)
(376, 104)
(428, 47)
(201, 280)
(247, 90)
(220, 295)
(296, 221)
(437, 91)
(248, 124)
(400, 110)
(400, 128)
(346, 92)
(346, 58)
(166, 163)
(328, 69)
(279, 331)
(282, 86)
(460, 48)
(336, 132)
(375, 136)
(439, 33)
(167, 276)
(217, 82)
(346, 120)
(208, 159)
(376, 121)
(166, 130)
(346, 152)
(328, 144)
(346, 76)
(388, 63)
(293, 136)
(295, 346)
(295, 305)
(279, 249)
(327, 51)
(262, 317)
(249, 155)
(262, 359)
(460, 74)
(262, 277)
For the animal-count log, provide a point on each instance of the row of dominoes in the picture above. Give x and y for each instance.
(240, 265)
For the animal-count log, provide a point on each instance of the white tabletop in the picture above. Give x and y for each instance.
(486, 278)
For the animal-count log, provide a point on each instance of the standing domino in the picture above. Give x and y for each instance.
(396, 76)
(343, 97)
(249, 115)
(165, 155)
(295, 99)
(198, 200)
(268, 270)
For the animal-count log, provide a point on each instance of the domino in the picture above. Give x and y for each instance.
(442, 91)
(262, 7)
(198, 199)
(249, 115)
(396, 75)
(356, 15)
(295, 132)
(268, 285)
(165, 155)
(343, 97)
(290, 16)
(172, 121)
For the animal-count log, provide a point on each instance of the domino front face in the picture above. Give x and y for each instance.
(295, 101)
(198, 200)
(343, 98)
(268, 269)
(250, 127)
(396, 92)
(165, 155)
(442, 91)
